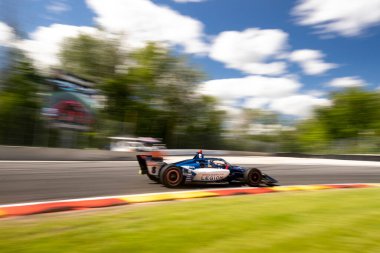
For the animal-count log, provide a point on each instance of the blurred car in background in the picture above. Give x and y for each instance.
(135, 144)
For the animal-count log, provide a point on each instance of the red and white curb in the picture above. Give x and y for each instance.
(86, 203)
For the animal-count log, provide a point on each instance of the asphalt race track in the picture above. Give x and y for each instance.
(40, 181)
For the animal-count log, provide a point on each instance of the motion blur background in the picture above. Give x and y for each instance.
(192, 74)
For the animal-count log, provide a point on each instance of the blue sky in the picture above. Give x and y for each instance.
(284, 56)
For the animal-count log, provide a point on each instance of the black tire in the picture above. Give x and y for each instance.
(253, 177)
(153, 178)
(171, 176)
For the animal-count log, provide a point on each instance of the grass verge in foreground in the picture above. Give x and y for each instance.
(324, 221)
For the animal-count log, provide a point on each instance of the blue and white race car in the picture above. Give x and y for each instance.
(200, 169)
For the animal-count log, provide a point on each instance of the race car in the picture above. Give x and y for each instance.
(200, 169)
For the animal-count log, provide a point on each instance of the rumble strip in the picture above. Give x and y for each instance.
(86, 203)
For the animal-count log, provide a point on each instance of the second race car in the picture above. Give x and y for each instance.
(200, 169)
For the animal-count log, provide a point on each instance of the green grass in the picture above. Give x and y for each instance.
(324, 221)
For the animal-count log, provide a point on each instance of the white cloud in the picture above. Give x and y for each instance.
(257, 103)
(143, 21)
(57, 7)
(298, 105)
(44, 43)
(6, 35)
(311, 61)
(346, 18)
(346, 82)
(253, 51)
(140, 21)
(251, 86)
(279, 94)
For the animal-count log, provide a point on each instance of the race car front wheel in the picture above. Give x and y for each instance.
(171, 176)
(253, 177)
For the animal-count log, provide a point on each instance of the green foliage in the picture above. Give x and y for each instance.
(155, 95)
(351, 124)
(354, 111)
(167, 106)
(91, 57)
(289, 142)
(119, 97)
(312, 135)
(201, 126)
(20, 107)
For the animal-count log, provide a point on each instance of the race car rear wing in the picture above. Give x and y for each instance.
(142, 162)
(144, 159)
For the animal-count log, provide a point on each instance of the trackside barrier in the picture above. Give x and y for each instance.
(20, 153)
(80, 204)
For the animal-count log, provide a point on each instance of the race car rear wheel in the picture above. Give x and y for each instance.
(171, 176)
(253, 177)
(153, 178)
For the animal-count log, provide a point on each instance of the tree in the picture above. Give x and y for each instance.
(354, 111)
(312, 136)
(158, 96)
(204, 128)
(155, 95)
(352, 118)
(90, 57)
(20, 105)
(119, 97)
(174, 111)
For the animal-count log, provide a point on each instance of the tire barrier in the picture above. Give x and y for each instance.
(87, 203)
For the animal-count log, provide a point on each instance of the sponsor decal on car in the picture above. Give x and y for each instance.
(212, 177)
